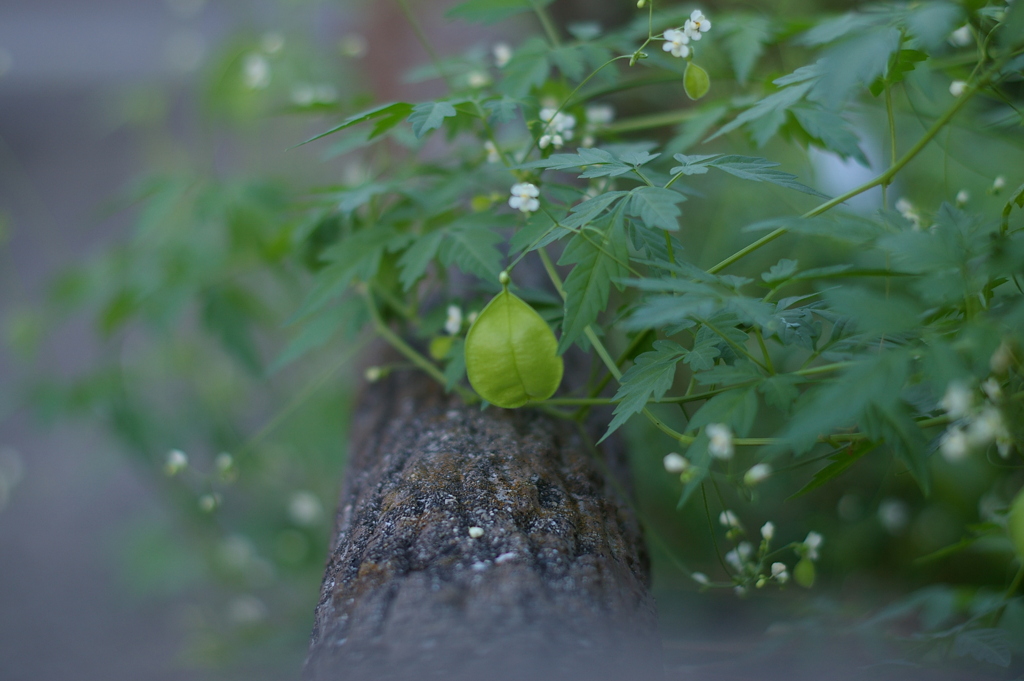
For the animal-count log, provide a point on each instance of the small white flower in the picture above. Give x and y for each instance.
(1001, 359)
(600, 114)
(958, 400)
(780, 573)
(558, 128)
(478, 79)
(906, 209)
(720, 436)
(209, 502)
(272, 42)
(492, 152)
(353, 45)
(954, 445)
(224, 462)
(696, 24)
(728, 519)
(993, 390)
(524, 197)
(256, 71)
(745, 550)
(304, 508)
(476, 532)
(757, 473)
(177, 461)
(453, 324)
(811, 543)
(303, 94)
(987, 427)
(734, 560)
(373, 374)
(957, 87)
(700, 578)
(675, 463)
(962, 197)
(961, 37)
(676, 43)
(894, 515)
(740, 591)
(472, 317)
(998, 183)
(768, 530)
(502, 54)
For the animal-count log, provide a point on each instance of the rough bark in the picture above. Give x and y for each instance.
(555, 587)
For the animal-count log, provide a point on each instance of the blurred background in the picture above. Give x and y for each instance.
(168, 474)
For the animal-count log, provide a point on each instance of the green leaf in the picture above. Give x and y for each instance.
(570, 60)
(830, 130)
(855, 62)
(743, 167)
(772, 108)
(527, 69)
(745, 36)
(511, 354)
(471, 247)
(228, 313)
(656, 207)
(651, 376)
(984, 645)
(841, 461)
(780, 271)
(492, 11)
(1011, 32)
(780, 391)
(736, 408)
(392, 115)
(894, 426)
(1015, 523)
(875, 313)
(696, 81)
(593, 162)
(875, 381)
(320, 329)
(599, 256)
(833, 29)
(702, 356)
(429, 116)
(417, 257)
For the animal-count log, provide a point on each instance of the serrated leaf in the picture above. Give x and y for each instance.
(316, 332)
(392, 115)
(745, 38)
(831, 130)
(841, 461)
(737, 408)
(527, 69)
(781, 271)
(855, 62)
(502, 110)
(833, 29)
(771, 108)
(702, 356)
(416, 258)
(896, 428)
(875, 313)
(875, 381)
(984, 645)
(569, 60)
(538, 232)
(429, 116)
(656, 206)
(650, 377)
(472, 248)
(761, 170)
(599, 257)
(780, 391)
(744, 371)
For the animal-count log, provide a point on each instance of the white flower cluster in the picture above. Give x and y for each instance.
(453, 324)
(598, 115)
(558, 128)
(976, 423)
(524, 197)
(909, 213)
(677, 41)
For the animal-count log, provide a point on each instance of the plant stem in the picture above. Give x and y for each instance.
(885, 177)
(545, 21)
(411, 354)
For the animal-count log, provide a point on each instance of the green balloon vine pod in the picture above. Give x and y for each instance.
(511, 353)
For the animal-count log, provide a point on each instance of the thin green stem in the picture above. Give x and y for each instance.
(885, 177)
(410, 353)
(892, 140)
(764, 351)
(422, 38)
(548, 24)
